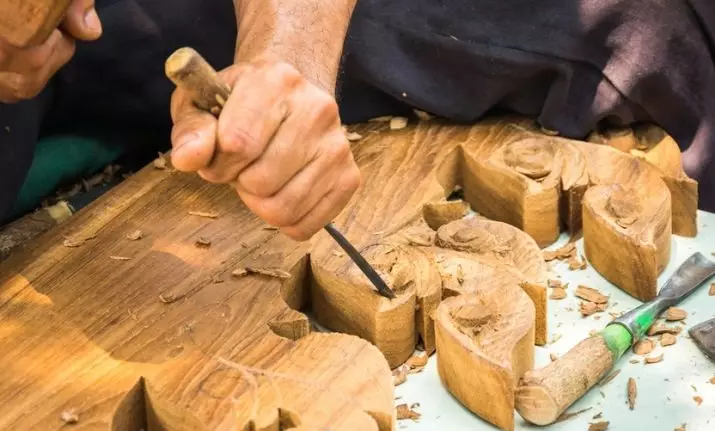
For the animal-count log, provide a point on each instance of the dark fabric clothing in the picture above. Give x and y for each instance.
(571, 64)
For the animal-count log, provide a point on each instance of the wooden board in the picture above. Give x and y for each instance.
(28, 22)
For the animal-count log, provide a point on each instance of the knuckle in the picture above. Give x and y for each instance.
(286, 74)
(278, 212)
(258, 183)
(211, 176)
(234, 139)
(338, 150)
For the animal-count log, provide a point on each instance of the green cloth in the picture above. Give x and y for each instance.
(62, 159)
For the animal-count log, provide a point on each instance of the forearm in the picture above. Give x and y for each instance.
(309, 34)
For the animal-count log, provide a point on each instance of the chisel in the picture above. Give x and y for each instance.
(544, 394)
(190, 71)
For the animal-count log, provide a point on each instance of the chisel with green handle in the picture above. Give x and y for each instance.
(544, 394)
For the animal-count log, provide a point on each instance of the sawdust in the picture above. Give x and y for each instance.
(120, 258)
(675, 314)
(270, 272)
(405, 412)
(557, 293)
(202, 242)
(69, 417)
(653, 359)
(134, 235)
(204, 214)
(643, 347)
(598, 426)
(667, 339)
(698, 400)
(662, 329)
(398, 123)
(632, 393)
(610, 377)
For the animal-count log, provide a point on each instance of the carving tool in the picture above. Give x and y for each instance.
(190, 71)
(704, 336)
(543, 394)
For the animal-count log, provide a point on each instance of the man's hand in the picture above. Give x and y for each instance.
(25, 72)
(278, 142)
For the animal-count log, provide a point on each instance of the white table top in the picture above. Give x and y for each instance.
(665, 390)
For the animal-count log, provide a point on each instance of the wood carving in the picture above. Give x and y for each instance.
(29, 22)
(654, 145)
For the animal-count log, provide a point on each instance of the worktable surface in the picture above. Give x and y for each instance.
(665, 389)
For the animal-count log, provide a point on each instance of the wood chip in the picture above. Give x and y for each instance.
(398, 123)
(69, 417)
(698, 400)
(353, 136)
(576, 264)
(120, 258)
(167, 298)
(203, 214)
(399, 374)
(674, 314)
(77, 242)
(681, 427)
(270, 272)
(610, 377)
(634, 361)
(405, 412)
(418, 360)
(632, 393)
(653, 359)
(663, 329)
(563, 253)
(554, 283)
(598, 426)
(422, 115)
(553, 356)
(135, 235)
(712, 380)
(712, 290)
(203, 242)
(161, 162)
(557, 293)
(589, 308)
(598, 415)
(667, 339)
(383, 119)
(590, 294)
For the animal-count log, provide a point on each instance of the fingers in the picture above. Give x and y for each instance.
(193, 136)
(82, 21)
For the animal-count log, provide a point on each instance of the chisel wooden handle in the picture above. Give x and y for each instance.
(543, 394)
(189, 71)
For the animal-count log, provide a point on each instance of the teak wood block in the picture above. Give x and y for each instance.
(170, 339)
(29, 22)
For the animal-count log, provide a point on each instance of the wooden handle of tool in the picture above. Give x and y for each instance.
(543, 394)
(189, 71)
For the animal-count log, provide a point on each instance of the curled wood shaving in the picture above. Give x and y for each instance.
(643, 347)
(675, 314)
(120, 258)
(270, 272)
(667, 339)
(653, 359)
(598, 426)
(398, 123)
(422, 115)
(167, 298)
(399, 374)
(77, 242)
(698, 400)
(134, 235)
(203, 242)
(163, 163)
(557, 293)
(69, 417)
(610, 377)
(632, 393)
(662, 329)
(590, 294)
(203, 214)
(405, 412)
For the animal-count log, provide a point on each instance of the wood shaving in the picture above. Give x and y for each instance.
(422, 115)
(590, 294)
(712, 290)
(77, 242)
(271, 272)
(399, 374)
(557, 293)
(383, 119)
(632, 393)
(598, 426)
(353, 136)
(405, 412)
(135, 235)
(576, 264)
(643, 347)
(418, 360)
(589, 308)
(554, 283)
(563, 253)
(167, 298)
(712, 380)
(202, 242)
(667, 339)
(120, 258)
(653, 359)
(553, 357)
(163, 163)
(69, 417)
(675, 314)
(698, 400)
(398, 123)
(610, 377)
(634, 361)
(694, 388)
(662, 329)
(681, 427)
(269, 228)
(203, 214)
(568, 415)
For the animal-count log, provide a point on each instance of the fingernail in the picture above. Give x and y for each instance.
(184, 142)
(91, 20)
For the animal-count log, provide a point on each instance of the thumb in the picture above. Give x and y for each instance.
(193, 136)
(82, 21)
